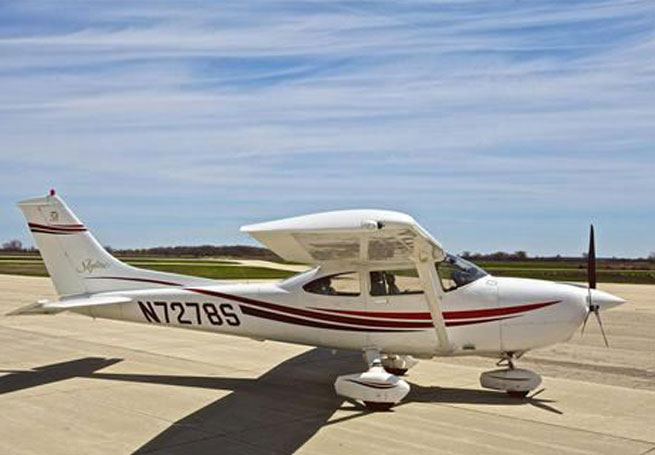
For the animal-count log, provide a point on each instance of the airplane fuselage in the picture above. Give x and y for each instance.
(490, 315)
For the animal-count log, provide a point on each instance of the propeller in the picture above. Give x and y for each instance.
(591, 278)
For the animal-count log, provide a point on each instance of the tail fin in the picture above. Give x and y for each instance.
(75, 260)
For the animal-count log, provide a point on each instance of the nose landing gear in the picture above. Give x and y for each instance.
(398, 364)
(516, 382)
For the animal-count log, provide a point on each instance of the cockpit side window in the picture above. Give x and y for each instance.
(342, 284)
(395, 282)
(455, 272)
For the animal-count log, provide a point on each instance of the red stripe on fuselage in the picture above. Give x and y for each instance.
(259, 313)
(316, 315)
(501, 311)
(381, 314)
(476, 321)
(463, 314)
(452, 318)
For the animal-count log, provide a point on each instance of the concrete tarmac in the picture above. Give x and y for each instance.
(69, 384)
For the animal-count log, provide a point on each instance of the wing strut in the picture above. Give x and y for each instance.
(427, 273)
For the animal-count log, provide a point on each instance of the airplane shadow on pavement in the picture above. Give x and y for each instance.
(56, 372)
(281, 410)
(277, 412)
(446, 395)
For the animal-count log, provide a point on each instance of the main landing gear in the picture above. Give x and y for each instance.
(378, 389)
(516, 382)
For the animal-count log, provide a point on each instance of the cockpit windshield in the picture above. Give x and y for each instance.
(456, 272)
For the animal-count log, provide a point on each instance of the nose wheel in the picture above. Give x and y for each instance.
(516, 382)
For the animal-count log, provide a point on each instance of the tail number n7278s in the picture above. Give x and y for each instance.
(189, 313)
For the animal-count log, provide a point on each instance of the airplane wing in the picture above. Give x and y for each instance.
(48, 307)
(347, 235)
(360, 236)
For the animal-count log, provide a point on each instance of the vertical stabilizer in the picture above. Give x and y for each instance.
(75, 260)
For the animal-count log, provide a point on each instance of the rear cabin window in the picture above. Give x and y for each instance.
(343, 284)
(395, 282)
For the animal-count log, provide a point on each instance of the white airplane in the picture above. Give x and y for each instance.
(381, 284)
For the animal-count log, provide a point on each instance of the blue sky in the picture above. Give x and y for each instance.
(506, 125)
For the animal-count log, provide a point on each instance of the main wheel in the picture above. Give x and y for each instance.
(396, 371)
(517, 393)
(377, 406)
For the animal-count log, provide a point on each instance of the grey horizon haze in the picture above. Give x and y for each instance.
(497, 125)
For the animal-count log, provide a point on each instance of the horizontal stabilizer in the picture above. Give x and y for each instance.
(49, 307)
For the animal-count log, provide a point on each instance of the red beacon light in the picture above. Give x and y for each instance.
(52, 192)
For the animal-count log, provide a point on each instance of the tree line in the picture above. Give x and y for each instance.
(235, 251)
(255, 252)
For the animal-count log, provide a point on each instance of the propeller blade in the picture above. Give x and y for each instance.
(591, 277)
(600, 324)
(584, 324)
(591, 259)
